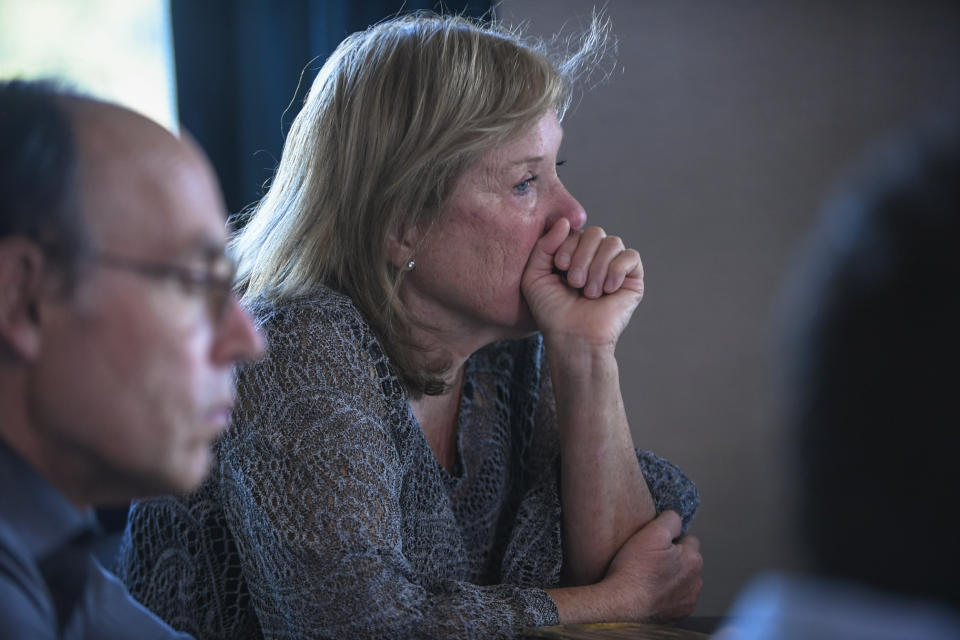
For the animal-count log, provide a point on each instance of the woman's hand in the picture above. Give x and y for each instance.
(603, 285)
(658, 578)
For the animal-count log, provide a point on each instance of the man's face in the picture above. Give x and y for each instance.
(135, 377)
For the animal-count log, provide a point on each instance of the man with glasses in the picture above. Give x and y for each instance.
(118, 333)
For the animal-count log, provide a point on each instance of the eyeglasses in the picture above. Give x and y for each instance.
(214, 280)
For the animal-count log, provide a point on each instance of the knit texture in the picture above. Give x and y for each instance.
(327, 515)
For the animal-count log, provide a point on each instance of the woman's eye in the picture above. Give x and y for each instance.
(524, 186)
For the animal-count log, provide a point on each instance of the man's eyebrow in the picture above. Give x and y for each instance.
(207, 248)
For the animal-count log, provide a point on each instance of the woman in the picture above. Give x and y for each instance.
(398, 464)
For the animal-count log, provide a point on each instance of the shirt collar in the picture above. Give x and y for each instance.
(41, 516)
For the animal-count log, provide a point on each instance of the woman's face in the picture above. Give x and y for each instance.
(467, 273)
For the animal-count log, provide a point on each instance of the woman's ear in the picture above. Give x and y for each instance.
(400, 247)
(21, 284)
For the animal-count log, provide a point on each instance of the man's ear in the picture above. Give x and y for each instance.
(400, 247)
(21, 284)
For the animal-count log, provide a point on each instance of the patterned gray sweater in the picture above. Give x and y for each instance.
(327, 515)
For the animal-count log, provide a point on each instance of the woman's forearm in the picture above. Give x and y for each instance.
(604, 496)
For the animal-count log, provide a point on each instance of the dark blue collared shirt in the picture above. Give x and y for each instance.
(51, 586)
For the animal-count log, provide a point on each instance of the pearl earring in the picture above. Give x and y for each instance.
(411, 265)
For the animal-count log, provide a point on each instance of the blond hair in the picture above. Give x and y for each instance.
(394, 116)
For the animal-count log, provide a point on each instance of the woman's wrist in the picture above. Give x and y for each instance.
(586, 604)
(609, 600)
(578, 358)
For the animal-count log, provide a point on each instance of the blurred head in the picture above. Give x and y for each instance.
(873, 359)
(118, 327)
(394, 118)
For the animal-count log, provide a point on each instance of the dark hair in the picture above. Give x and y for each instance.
(38, 168)
(873, 364)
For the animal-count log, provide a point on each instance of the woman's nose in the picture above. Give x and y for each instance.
(570, 208)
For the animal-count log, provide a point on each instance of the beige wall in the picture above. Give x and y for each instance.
(722, 128)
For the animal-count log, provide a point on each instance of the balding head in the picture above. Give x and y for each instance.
(73, 166)
(136, 181)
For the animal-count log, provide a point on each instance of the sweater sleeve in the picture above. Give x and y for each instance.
(670, 487)
(313, 478)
